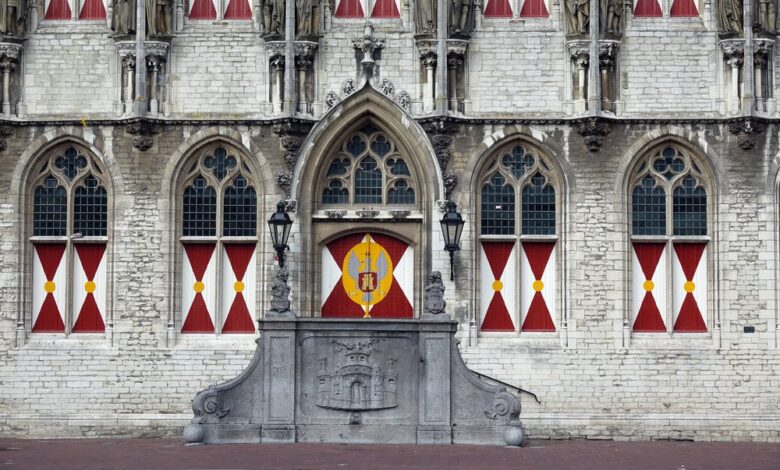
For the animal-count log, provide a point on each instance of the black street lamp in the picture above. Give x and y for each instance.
(452, 227)
(279, 224)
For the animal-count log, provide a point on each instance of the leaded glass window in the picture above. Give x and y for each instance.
(368, 169)
(200, 209)
(90, 209)
(240, 219)
(50, 210)
(538, 206)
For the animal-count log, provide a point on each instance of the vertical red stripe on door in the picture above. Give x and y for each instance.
(349, 9)
(538, 317)
(649, 317)
(497, 316)
(198, 319)
(49, 318)
(89, 319)
(239, 319)
(498, 9)
(689, 318)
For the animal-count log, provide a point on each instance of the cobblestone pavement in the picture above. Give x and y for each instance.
(89, 454)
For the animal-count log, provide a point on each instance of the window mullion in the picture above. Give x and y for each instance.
(67, 311)
(218, 313)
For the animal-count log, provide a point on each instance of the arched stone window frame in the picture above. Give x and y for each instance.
(194, 166)
(697, 167)
(72, 180)
(548, 167)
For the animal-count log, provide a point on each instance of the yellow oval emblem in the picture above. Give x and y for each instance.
(367, 273)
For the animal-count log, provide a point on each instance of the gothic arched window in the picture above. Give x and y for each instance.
(218, 238)
(518, 235)
(368, 169)
(69, 238)
(669, 234)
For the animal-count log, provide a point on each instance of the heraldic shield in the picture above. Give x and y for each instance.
(367, 275)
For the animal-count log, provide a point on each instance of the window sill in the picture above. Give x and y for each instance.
(212, 342)
(63, 342)
(671, 341)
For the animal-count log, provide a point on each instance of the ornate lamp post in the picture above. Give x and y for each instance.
(279, 224)
(452, 227)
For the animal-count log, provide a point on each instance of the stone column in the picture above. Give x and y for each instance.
(9, 58)
(593, 90)
(607, 57)
(127, 79)
(733, 52)
(762, 56)
(579, 50)
(442, 31)
(428, 59)
(156, 58)
(748, 92)
(456, 54)
(289, 59)
(140, 105)
(278, 69)
(304, 58)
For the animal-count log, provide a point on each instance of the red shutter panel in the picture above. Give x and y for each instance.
(537, 270)
(649, 279)
(385, 9)
(690, 287)
(647, 8)
(349, 9)
(238, 288)
(48, 288)
(498, 9)
(238, 10)
(684, 8)
(198, 288)
(89, 288)
(498, 286)
(58, 10)
(203, 10)
(92, 10)
(534, 9)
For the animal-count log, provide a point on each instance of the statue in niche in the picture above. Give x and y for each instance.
(425, 17)
(730, 16)
(461, 17)
(158, 17)
(611, 12)
(306, 18)
(577, 16)
(13, 15)
(273, 17)
(123, 16)
(766, 15)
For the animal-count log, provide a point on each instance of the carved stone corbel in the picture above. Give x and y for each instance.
(439, 132)
(291, 135)
(370, 46)
(5, 132)
(593, 130)
(143, 133)
(746, 132)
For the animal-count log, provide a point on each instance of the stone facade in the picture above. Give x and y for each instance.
(670, 81)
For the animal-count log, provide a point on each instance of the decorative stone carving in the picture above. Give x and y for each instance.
(331, 100)
(348, 87)
(732, 47)
(577, 15)
(354, 380)
(291, 134)
(5, 132)
(143, 133)
(387, 88)
(611, 17)
(505, 407)
(397, 214)
(307, 14)
(123, 16)
(158, 17)
(593, 130)
(280, 293)
(207, 406)
(434, 295)
(290, 205)
(369, 46)
(272, 12)
(461, 18)
(425, 19)
(766, 16)
(284, 181)
(438, 132)
(336, 214)
(13, 16)
(367, 214)
(730, 17)
(404, 100)
(441, 146)
(746, 132)
(9, 58)
(450, 182)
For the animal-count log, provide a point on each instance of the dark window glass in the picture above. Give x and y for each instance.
(70, 163)
(240, 211)
(648, 208)
(200, 209)
(335, 193)
(669, 163)
(538, 207)
(356, 146)
(517, 161)
(90, 209)
(380, 145)
(400, 193)
(368, 182)
(689, 211)
(50, 209)
(398, 167)
(498, 207)
(338, 167)
(220, 163)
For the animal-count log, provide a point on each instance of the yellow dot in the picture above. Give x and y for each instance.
(497, 285)
(538, 285)
(648, 285)
(198, 286)
(689, 286)
(89, 286)
(49, 287)
(238, 286)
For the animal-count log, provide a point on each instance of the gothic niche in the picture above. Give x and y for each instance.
(765, 17)
(733, 55)
(456, 74)
(608, 52)
(307, 19)
(356, 381)
(276, 59)
(577, 17)
(159, 18)
(729, 16)
(611, 18)
(579, 53)
(156, 81)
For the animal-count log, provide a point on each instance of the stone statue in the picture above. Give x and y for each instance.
(730, 16)
(158, 17)
(273, 17)
(280, 292)
(461, 17)
(425, 17)
(304, 24)
(577, 15)
(434, 303)
(123, 16)
(766, 15)
(13, 15)
(611, 12)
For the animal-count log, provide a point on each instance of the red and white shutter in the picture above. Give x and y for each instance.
(647, 9)
(92, 10)
(648, 287)
(685, 8)
(498, 281)
(537, 281)
(352, 287)
(498, 9)
(385, 9)
(238, 287)
(349, 9)
(57, 10)
(202, 10)
(690, 287)
(49, 284)
(199, 288)
(89, 288)
(238, 10)
(533, 9)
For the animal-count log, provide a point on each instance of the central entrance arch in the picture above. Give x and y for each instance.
(369, 275)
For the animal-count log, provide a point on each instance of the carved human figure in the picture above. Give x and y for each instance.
(13, 14)
(461, 16)
(577, 16)
(158, 17)
(303, 17)
(766, 14)
(273, 17)
(425, 17)
(611, 12)
(123, 16)
(730, 16)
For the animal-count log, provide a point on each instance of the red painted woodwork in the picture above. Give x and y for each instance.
(239, 320)
(534, 9)
(89, 319)
(649, 317)
(350, 9)
(498, 9)
(203, 10)
(647, 9)
(385, 9)
(538, 317)
(58, 10)
(689, 319)
(93, 10)
(684, 8)
(395, 304)
(198, 319)
(497, 317)
(49, 317)
(238, 10)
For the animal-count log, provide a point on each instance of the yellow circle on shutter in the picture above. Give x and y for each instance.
(648, 285)
(198, 286)
(689, 286)
(49, 286)
(538, 285)
(89, 286)
(497, 285)
(238, 286)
